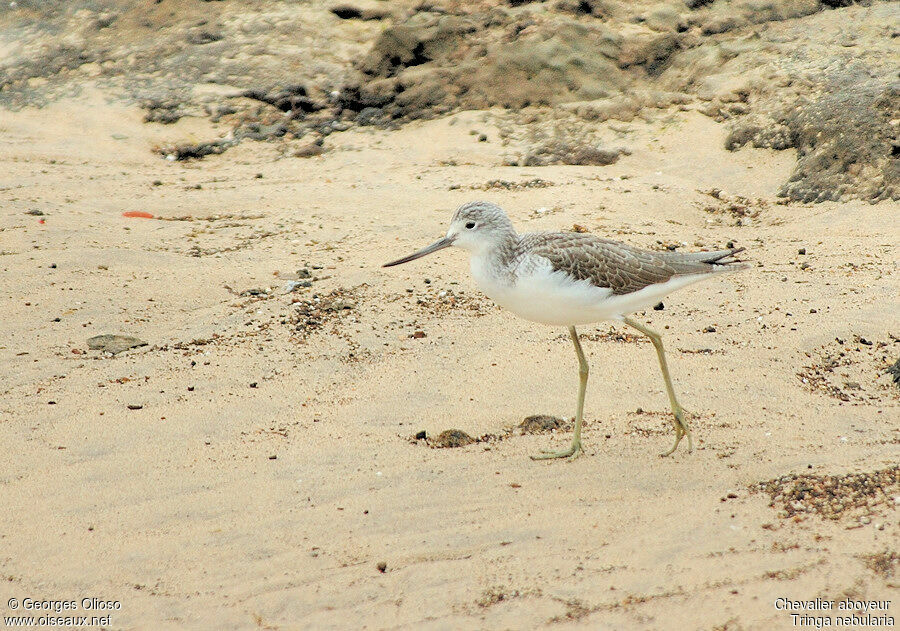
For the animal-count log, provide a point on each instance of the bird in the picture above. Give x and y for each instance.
(572, 279)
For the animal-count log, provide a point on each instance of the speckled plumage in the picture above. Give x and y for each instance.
(620, 267)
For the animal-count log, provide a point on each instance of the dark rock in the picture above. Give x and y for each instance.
(575, 153)
(540, 424)
(582, 7)
(309, 150)
(198, 150)
(421, 435)
(350, 12)
(203, 36)
(451, 438)
(422, 38)
(894, 371)
(370, 116)
(844, 138)
(292, 98)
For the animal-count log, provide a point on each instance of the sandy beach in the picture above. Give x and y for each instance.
(255, 463)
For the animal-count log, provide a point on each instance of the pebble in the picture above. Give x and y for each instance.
(709, 329)
(452, 438)
(382, 567)
(135, 406)
(114, 343)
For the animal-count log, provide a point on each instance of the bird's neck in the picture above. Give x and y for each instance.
(497, 260)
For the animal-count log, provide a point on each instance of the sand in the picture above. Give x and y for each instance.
(269, 466)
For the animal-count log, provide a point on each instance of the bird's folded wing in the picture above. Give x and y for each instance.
(618, 266)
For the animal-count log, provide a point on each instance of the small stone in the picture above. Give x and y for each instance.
(135, 406)
(421, 435)
(801, 251)
(310, 150)
(114, 343)
(253, 384)
(382, 567)
(709, 329)
(452, 438)
(659, 306)
(482, 138)
(273, 457)
(540, 423)
(804, 265)
(418, 335)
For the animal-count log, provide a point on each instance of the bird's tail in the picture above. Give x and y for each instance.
(718, 257)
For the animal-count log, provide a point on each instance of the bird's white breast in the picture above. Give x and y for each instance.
(535, 292)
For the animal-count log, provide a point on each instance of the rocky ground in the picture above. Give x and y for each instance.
(217, 406)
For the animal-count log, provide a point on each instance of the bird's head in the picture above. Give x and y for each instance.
(475, 227)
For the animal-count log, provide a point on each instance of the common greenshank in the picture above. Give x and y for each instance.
(570, 279)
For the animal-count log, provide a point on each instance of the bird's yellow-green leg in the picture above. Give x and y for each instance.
(681, 426)
(575, 450)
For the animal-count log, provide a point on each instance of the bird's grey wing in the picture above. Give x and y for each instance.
(605, 263)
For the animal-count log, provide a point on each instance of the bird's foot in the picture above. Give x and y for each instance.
(681, 430)
(571, 453)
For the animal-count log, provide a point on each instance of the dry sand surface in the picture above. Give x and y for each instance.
(255, 464)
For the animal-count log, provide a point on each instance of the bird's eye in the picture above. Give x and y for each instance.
(470, 225)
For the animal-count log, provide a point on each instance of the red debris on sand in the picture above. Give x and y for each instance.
(137, 213)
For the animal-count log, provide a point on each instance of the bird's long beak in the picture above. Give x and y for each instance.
(440, 244)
